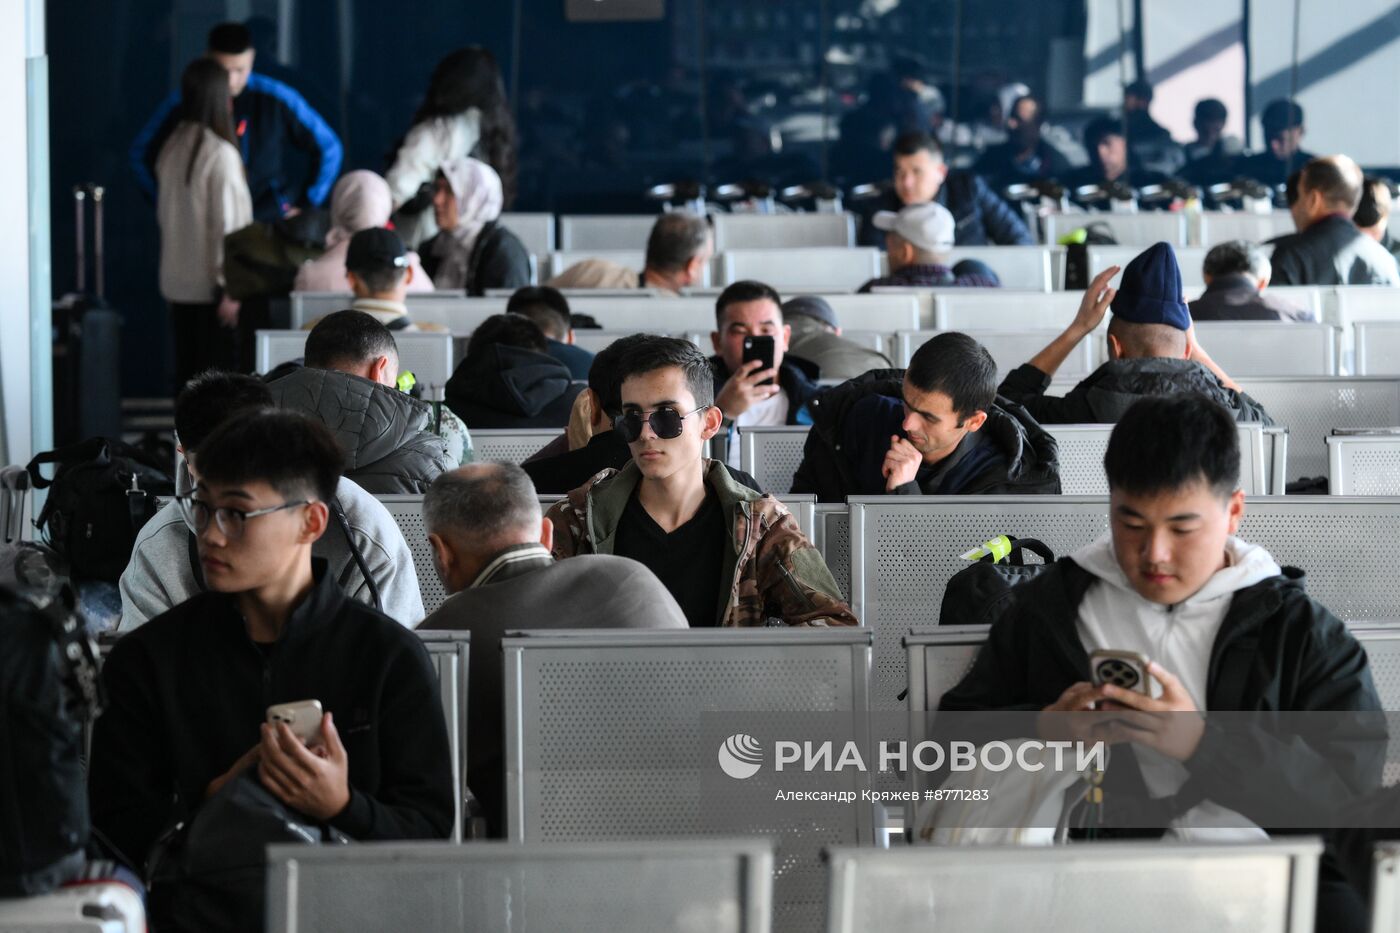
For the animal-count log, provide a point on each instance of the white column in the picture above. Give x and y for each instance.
(26, 379)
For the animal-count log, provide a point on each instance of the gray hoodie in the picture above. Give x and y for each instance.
(160, 574)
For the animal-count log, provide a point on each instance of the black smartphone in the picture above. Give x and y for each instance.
(760, 348)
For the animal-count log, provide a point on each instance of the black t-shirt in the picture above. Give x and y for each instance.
(688, 561)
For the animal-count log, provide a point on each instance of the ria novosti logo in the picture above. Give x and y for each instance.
(740, 756)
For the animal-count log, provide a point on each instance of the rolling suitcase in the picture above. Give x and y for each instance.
(86, 340)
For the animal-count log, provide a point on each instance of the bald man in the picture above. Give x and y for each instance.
(491, 548)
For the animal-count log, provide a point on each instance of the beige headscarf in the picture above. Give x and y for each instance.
(359, 201)
(480, 198)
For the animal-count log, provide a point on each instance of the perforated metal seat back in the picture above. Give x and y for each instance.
(1146, 888)
(434, 888)
(535, 231)
(1311, 408)
(605, 231)
(512, 446)
(909, 548)
(1378, 347)
(1363, 466)
(836, 544)
(1009, 348)
(1081, 458)
(427, 355)
(938, 660)
(272, 348)
(811, 268)
(450, 653)
(1026, 267)
(1136, 230)
(1082, 448)
(1337, 542)
(604, 736)
(1218, 227)
(1188, 259)
(407, 511)
(1003, 309)
(772, 455)
(1270, 348)
(783, 231)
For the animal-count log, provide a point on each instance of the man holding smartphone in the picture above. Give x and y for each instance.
(189, 691)
(1223, 627)
(756, 382)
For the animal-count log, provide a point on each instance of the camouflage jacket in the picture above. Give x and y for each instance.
(776, 573)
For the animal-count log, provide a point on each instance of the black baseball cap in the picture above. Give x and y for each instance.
(375, 248)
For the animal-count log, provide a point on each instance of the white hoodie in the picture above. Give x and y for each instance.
(1179, 637)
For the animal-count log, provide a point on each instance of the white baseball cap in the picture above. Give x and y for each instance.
(928, 226)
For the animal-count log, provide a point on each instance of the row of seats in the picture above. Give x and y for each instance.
(726, 886)
(892, 556)
(1364, 340)
(591, 232)
(1307, 411)
(1243, 348)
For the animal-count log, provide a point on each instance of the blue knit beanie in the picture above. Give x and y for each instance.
(1150, 292)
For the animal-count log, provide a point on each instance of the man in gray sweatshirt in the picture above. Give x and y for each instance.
(164, 569)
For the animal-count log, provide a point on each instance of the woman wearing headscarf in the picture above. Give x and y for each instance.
(472, 251)
(464, 113)
(360, 200)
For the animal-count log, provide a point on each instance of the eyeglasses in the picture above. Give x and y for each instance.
(666, 422)
(229, 521)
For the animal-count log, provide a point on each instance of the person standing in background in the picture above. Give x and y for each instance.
(203, 195)
(463, 114)
(267, 116)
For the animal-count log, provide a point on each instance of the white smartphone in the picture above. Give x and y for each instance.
(303, 717)
(1126, 669)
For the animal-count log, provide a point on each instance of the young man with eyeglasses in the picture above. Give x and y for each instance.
(188, 692)
(729, 555)
(164, 567)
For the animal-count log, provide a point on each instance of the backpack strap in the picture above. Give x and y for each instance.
(91, 449)
(338, 512)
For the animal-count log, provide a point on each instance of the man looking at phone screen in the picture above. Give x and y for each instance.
(1224, 627)
(748, 391)
(189, 690)
(729, 555)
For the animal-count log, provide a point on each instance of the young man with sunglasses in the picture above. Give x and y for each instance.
(729, 555)
(188, 692)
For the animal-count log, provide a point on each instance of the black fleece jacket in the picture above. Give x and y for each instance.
(188, 690)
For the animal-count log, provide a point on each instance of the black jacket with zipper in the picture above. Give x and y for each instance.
(1028, 463)
(1277, 650)
(188, 691)
(1105, 394)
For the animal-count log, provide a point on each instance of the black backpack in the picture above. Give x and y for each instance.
(49, 689)
(102, 492)
(981, 593)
